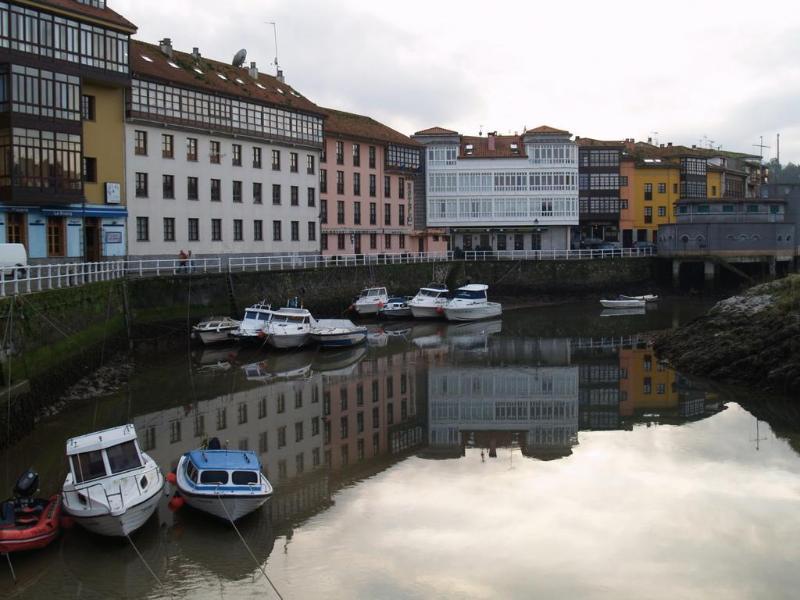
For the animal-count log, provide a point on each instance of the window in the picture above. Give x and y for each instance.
(340, 212)
(141, 185)
(124, 457)
(89, 169)
(356, 213)
(339, 153)
(323, 241)
(356, 184)
(216, 152)
(298, 432)
(276, 160)
(662, 188)
(140, 138)
(191, 149)
(310, 164)
(662, 211)
(168, 186)
(276, 193)
(312, 231)
(87, 107)
(340, 241)
(238, 233)
(387, 186)
(373, 213)
(402, 241)
(88, 465)
(214, 477)
(293, 162)
(142, 229)
(323, 181)
(237, 191)
(311, 194)
(623, 181)
(373, 241)
(216, 230)
(648, 214)
(256, 157)
(674, 188)
(295, 230)
(294, 195)
(169, 229)
(216, 190)
(372, 157)
(713, 190)
(401, 187)
(167, 145)
(648, 191)
(236, 161)
(387, 214)
(387, 241)
(191, 188)
(340, 182)
(356, 155)
(194, 229)
(258, 230)
(373, 185)
(401, 217)
(323, 211)
(323, 157)
(276, 231)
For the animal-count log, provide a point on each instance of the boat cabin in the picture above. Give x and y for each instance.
(473, 291)
(291, 315)
(258, 312)
(103, 454)
(372, 293)
(222, 468)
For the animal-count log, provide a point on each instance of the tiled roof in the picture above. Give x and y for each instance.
(502, 147)
(101, 14)
(436, 131)
(363, 127)
(236, 82)
(546, 129)
(645, 150)
(582, 141)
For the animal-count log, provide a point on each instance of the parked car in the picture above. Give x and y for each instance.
(13, 260)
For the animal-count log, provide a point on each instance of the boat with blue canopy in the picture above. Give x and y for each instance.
(228, 484)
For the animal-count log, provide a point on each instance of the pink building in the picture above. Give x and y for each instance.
(369, 176)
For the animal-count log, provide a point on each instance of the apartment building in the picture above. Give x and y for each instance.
(220, 160)
(599, 190)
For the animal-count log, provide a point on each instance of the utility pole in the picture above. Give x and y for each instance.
(761, 146)
(778, 144)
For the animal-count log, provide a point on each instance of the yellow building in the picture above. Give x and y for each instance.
(646, 385)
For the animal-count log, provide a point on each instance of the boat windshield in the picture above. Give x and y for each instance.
(214, 477)
(288, 319)
(244, 477)
(429, 293)
(88, 465)
(191, 471)
(123, 457)
(471, 295)
(372, 293)
(256, 315)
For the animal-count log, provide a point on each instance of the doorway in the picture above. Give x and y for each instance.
(91, 233)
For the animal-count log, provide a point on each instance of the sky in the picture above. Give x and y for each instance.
(687, 72)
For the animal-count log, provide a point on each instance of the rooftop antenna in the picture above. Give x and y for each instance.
(655, 136)
(778, 144)
(275, 32)
(761, 146)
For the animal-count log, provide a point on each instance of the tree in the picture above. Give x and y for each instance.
(778, 173)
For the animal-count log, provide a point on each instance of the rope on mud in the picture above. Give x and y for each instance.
(253, 556)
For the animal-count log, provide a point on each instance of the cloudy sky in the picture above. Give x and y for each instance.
(690, 70)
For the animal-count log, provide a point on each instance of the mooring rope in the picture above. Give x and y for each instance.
(147, 566)
(253, 556)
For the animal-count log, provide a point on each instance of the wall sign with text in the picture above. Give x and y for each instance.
(113, 192)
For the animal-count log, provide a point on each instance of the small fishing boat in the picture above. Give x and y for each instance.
(251, 328)
(27, 522)
(112, 487)
(471, 303)
(429, 302)
(646, 297)
(395, 308)
(622, 303)
(288, 328)
(370, 301)
(338, 333)
(623, 312)
(215, 329)
(228, 484)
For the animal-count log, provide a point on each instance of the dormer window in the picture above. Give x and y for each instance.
(515, 148)
(469, 148)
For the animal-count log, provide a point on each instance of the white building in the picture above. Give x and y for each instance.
(502, 192)
(220, 160)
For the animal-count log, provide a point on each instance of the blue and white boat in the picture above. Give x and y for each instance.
(228, 484)
(337, 333)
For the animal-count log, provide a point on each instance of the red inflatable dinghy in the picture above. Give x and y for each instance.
(28, 523)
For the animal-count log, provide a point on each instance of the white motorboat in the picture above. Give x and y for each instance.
(429, 302)
(623, 303)
(112, 487)
(337, 333)
(646, 297)
(289, 328)
(252, 325)
(623, 312)
(215, 329)
(228, 484)
(471, 303)
(395, 308)
(370, 301)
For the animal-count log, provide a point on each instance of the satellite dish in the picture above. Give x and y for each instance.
(239, 58)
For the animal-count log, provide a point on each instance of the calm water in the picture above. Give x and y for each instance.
(547, 455)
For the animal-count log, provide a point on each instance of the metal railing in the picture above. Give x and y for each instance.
(37, 278)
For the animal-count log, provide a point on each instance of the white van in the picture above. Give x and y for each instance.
(13, 260)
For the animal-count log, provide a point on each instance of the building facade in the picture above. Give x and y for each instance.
(220, 160)
(502, 192)
(368, 186)
(599, 190)
(63, 68)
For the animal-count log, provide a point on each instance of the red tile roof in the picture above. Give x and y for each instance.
(366, 128)
(436, 131)
(502, 147)
(547, 129)
(210, 81)
(74, 7)
(582, 141)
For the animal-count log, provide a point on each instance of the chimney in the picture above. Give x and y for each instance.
(253, 71)
(491, 135)
(649, 140)
(661, 145)
(669, 144)
(196, 53)
(279, 76)
(166, 46)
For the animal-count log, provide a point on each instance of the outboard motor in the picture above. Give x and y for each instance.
(27, 485)
(213, 444)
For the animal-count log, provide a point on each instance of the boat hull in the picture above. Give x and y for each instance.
(226, 507)
(368, 309)
(396, 313)
(427, 312)
(473, 313)
(125, 523)
(214, 337)
(285, 342)
(38, 535)
(340, 340)
(622, 303)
